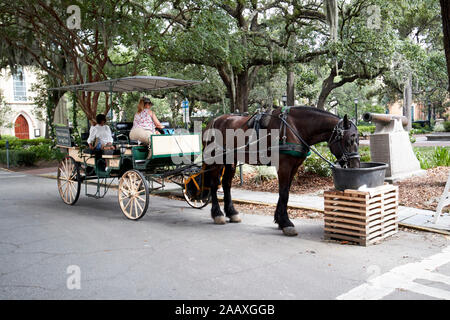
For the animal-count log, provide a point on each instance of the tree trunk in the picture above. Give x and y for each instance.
(290, 93)
(52, 102)
(242, 92)
(408, 100)
(327, 87)
(445, 9)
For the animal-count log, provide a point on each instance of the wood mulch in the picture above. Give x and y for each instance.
(424, 192)
(304, 183)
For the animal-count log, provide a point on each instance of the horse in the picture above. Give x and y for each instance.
(299, 128)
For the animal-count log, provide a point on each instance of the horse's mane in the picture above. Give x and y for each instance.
(316, 110)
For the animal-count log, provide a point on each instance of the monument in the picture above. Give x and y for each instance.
(390, 144)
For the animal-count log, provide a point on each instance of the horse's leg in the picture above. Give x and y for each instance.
(286, 173)
(230, 211)
(216, 213)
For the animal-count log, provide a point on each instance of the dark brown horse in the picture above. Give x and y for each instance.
(300, 127)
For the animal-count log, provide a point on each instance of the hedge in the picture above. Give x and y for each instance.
(20, 143)
(18, 157)
(366, 129)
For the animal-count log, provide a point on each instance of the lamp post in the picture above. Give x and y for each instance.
(356, 111)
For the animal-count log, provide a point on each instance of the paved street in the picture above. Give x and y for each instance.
(175, 252)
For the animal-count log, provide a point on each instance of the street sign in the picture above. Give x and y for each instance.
(185, 107)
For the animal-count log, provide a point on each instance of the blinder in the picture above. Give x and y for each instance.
(337, 136)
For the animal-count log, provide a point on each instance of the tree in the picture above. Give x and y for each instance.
(445, 12)
(42, 33)
(238, 38)
(364, 48)
(4, 110)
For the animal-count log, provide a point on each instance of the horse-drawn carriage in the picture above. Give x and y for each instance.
(140, 169)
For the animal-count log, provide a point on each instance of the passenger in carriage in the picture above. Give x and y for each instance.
(100, 137)
(145, 122)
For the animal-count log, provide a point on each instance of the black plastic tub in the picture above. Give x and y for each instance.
(370, 174)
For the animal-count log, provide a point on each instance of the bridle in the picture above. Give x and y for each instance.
(337, 136)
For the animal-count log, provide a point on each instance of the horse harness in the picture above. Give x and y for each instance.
(303, 150)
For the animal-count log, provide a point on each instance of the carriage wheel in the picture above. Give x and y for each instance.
(133, 194)
(69, 182)
(197, 199)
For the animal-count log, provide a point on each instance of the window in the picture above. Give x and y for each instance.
(19, 85)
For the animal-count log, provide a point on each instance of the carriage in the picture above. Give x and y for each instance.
(140, 169)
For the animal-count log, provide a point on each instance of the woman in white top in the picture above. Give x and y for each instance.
(145, 122)
(100, 137)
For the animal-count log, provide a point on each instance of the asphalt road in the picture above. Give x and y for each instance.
(49, 250)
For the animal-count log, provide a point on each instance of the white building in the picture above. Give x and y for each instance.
(21, 120)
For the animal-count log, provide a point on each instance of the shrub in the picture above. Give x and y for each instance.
(18, 157)
(316, 165)
(8, 137)
(46, 152)
(366, 130)
(23, 143)
(447, 126)
(364, 152)
(265, 173)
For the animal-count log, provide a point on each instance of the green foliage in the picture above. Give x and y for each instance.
(364, 152)
(20, 150)
(412, 139)
(17, 144)
(4, 110)
(366, 130)
(8, 137)
(265, 173)
(447, 126)
(18, 157)
(433, 157)
(316, 165)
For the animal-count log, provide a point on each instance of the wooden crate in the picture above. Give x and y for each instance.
(363, 217)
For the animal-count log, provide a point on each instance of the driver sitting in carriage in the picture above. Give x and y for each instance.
(100, 136)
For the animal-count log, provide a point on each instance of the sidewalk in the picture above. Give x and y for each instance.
(408, 217)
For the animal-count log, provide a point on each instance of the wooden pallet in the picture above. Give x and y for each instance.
(363, 217)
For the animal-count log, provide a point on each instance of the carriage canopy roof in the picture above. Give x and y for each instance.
(128, 84)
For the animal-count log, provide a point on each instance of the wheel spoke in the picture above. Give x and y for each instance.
(131, 207)
(135, 208)
(140, 207)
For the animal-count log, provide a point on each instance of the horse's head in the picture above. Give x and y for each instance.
(344, 143)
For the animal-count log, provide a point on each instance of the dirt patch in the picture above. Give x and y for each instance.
(303, 183)
(424, 192)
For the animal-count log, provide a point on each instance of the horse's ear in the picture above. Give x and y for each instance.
(346, 122)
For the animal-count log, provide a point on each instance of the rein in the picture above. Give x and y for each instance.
(337, 131)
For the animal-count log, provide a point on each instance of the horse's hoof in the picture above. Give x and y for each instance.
(235, 219)
(220, 220)
(290, 231)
